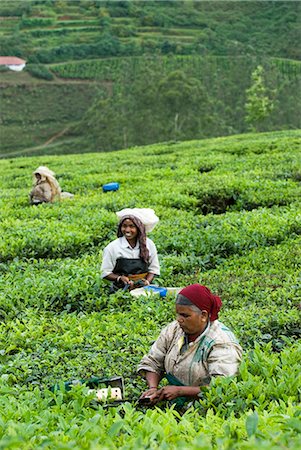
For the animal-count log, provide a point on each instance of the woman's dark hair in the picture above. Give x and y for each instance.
(184, 301)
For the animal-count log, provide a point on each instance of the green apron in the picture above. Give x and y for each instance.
(174, 381)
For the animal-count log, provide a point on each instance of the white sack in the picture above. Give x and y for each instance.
(146, 215)
(65, 194)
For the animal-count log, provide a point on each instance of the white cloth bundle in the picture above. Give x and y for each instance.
(146, 215)
(44, 172)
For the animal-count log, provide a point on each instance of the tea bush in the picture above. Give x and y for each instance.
(229, 213)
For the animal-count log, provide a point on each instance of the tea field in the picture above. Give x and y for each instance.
(230, 218)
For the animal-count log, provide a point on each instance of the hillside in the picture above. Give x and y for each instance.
(133, 27)
(88, 63)
(229, 213)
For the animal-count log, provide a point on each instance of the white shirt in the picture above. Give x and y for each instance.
(120, 248)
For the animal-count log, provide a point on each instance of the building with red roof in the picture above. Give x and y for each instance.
(13, 63)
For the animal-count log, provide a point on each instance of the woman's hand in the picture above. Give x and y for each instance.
(152, 394)
(165, 393)
(125, 280)
(169, 393)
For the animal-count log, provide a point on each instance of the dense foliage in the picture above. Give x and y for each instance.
(181, 27)
(187, 97)
(229, 213)
(196, 59)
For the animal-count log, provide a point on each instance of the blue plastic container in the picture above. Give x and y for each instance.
(157, 290)
(110, 187)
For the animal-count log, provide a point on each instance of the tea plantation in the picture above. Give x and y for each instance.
(230, 218)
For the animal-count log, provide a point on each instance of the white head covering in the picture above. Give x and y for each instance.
(44, 172)
(49, 175)
(146, 215)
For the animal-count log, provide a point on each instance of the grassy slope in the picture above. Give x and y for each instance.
(59, 323)
(39, 110)
(219, 28)
(45, 109)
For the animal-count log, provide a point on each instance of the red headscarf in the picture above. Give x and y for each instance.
(203, 298)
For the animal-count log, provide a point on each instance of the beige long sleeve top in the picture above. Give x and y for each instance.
(215, 352)
(41, 192)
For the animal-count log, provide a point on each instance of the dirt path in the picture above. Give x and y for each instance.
(30, 150)
(53, 138)
(48, 143)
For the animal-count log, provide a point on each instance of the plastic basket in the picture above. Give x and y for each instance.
(157, 290)
(110, 187)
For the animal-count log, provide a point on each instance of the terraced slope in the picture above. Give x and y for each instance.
(89, 57)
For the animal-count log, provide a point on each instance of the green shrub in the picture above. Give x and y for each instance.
(39, 71)
(37, 21)
(58, 322)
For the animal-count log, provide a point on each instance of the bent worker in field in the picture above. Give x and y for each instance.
(131, 260)
(46, 188)
(191, 350)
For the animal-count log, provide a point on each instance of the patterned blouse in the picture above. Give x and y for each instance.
(215, 352)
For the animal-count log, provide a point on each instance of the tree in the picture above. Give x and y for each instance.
(258, 105)
(172, 107)
(183, 104)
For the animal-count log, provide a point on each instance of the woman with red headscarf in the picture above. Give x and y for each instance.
(131, 260)
(191, 350)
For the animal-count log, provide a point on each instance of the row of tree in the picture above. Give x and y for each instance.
(179, 106)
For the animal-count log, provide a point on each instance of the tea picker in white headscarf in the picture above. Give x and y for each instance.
(46, 188)
(131, 260)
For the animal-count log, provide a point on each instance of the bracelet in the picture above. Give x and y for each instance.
(118, 279)
(153, 387)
